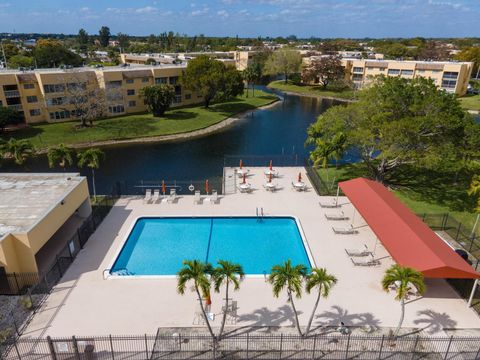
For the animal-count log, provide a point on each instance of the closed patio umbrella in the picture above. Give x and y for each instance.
(164, 188)
(299, 177)
(244, 178)
(270, 177)
(241, 163)
(271, 165)
(206, 186)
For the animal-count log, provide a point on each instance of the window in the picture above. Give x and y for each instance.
(188, 96)
(132, 103)
(35, 112)
(29, 86)
(407, 72)
(173, 80)
(53, 88)
(116, 109)
(129, 81)
(161, 80)
(56, 101)
(449, 84)
(358, 69)
(393, 71)
(450, 75)
(357, 77)
(77, 86)
(145, 80)
(177, 99)
(114, 84)
(59, 115)
(32, 99)
(131, 92)
(420, 71)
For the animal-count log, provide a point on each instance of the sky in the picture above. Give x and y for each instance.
(252, 18)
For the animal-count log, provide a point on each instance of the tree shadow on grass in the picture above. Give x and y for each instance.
(27, 133)
(181, 115)
(232, 107)
(126, 129)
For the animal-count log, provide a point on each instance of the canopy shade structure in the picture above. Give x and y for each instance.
(408, 239)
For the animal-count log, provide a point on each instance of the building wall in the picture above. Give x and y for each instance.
(39, 99)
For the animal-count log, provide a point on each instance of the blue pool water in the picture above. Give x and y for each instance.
(157, 246)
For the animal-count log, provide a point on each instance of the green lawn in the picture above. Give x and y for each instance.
(470, 102)
(141, 125)
(312, 90)
(423, 192)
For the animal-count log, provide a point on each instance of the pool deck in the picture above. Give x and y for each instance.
(84, 303)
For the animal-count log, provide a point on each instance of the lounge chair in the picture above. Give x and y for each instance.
(173, 196)
(369, 261)
(344, 230)
(214, 197)
(148, 196)
(299, 188)
(270, 188)
(336, 216)
(245, 189)
(196, 198)
(328, 205)
(156, 196)
(359, 252)
(231, 312)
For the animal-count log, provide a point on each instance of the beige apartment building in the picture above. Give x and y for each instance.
(449, 76)
(43, 95)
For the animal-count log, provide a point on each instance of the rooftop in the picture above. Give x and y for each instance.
(27, 198)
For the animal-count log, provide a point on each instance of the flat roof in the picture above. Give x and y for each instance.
(26, 198)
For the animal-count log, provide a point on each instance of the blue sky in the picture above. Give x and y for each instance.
(305, 18)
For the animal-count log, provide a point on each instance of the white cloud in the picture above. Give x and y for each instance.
(146, 10)
(223, 14)
(200, 12)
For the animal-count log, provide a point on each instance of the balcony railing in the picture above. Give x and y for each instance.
(17, 107)
(11, 94)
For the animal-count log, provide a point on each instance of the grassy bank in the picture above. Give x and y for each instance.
(312, 90)
(141, 125)
(423, 192)
(470, 102)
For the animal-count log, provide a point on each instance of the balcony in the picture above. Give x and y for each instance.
(17, 107)
(11, 94)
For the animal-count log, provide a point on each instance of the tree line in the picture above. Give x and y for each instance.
(293, 279)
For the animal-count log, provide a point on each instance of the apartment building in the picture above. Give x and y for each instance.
(44, 95)
(449, 76)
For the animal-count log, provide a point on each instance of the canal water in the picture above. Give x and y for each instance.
(277, 130)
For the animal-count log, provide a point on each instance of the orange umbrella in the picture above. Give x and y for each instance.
(164, 188)
(244, 178)
(299, 177)
(270, 177)
(271, 166)
(208, 300)
(241, 163)
(206, 186)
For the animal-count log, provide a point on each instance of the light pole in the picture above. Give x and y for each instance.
(4, 57)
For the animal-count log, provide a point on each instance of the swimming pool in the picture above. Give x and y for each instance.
(157, 246)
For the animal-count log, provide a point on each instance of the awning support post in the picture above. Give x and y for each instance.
(338, 191)
(353, 216)
(474, 288)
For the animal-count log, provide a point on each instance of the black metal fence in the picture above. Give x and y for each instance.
(263, 160)
(181, 187)
(247, 346)
(29, 290)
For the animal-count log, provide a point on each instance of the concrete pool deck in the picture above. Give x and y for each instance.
(84, 303)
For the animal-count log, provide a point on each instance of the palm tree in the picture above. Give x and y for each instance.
(199, 273)
(248, 76)
(321, 280)
(61, 155)
(227, 273)
(402, 278)
(19, 150)
(322, 154)
(289, 277)
(339, 145)
(91, 158)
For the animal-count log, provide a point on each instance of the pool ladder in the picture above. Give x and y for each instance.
(260, 214)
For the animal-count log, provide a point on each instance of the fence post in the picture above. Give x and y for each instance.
(381, 347)
(445, 220)
(281, 345)
(75, 347)
(214, 349)
(478, 353)
(415, 347)
(18, 352)
(314, 346)
(458, 231)
(248, 344)
(448, 347)
(80, 238)
(423, 217)
(348, 345)
(471, 243)
(111, 346)
(51, 348)
(16, 283)
(58, 265)
(146, 347)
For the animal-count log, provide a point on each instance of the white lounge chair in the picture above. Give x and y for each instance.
(366, 261)
(344, 230)
(148, 196)
(214, 197)
(336, 216)
(173, 196)
(328, 205)
(156, 196)
(196, 198)
(272, 187)
(359, 252)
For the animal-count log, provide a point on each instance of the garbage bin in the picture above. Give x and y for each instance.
(463, 254)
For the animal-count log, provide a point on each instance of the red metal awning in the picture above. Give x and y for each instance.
(408, 239)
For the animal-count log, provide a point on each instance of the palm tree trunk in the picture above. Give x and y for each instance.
(402, 316)
(253, 89)
(297, 323)
(93, 185)
(313, 313)
(247, 89)
(200, 299)
(224, 319)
